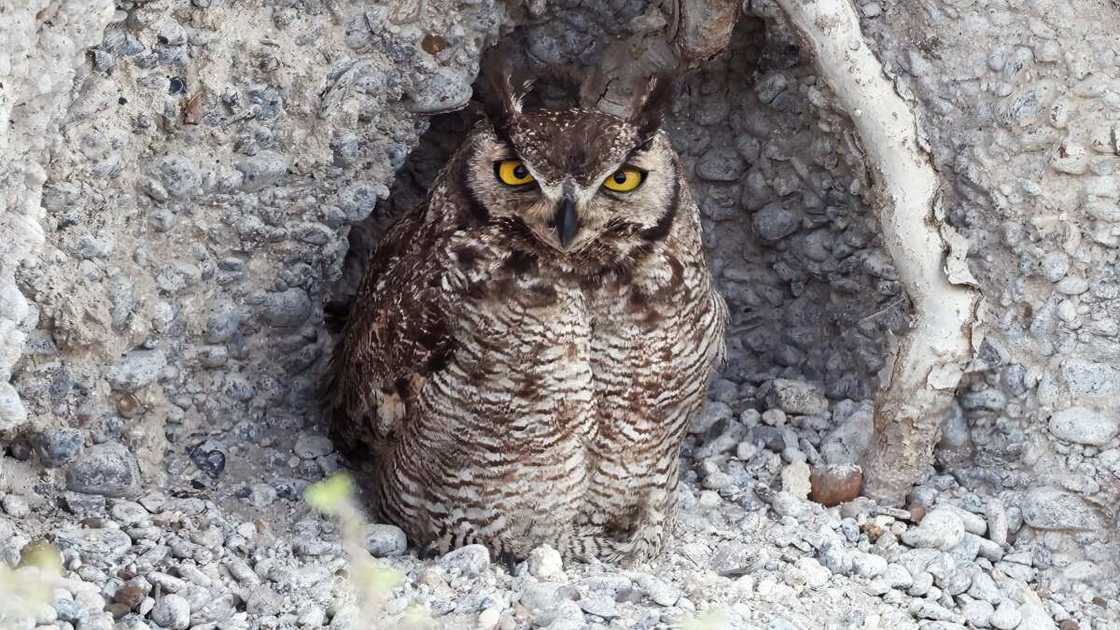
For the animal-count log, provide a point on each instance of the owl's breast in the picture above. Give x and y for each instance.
(520, 376)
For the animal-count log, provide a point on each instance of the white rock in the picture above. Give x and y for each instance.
(1082, 425)
(978, 612)
(173, 612)
(545, 562)
(488, 619)
(868, 565)
(470, 560)
(795, 480)
(942, 528)
(1006, 617)
(807, 573)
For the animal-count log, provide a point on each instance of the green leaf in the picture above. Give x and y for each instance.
(381, 578)
(43, 555)
(328, 496)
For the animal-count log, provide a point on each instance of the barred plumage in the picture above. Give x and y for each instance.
(522, 361)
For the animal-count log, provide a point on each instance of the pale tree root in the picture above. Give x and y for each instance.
(929, 360)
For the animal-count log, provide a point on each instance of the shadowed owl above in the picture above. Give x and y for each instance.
(528, 345)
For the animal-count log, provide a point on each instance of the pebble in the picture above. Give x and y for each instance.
(836, 558)
(712, 413)
(287, 309)
(996, 515)
(1070, 158)
(69, 611)
(261, 170)
(545, 563)
(172, 612)
(383, 541)
(896, 576)
(795, 480)
(13, 414)
(447, 90)
(773, 223)
(489, 619)
(868, 565)
(57, 447)
(973, 523)
(599, 604)
(813, 573)
(1006, 616)
(210, 461)
(312, 617)
(169, 583)
(922, 584)
(847, 443)
(977, 612)
(941, 528)
(1055, 265)
(178, 176)
(1034, 616)
(15, 505)
(1081, 425)
(129, 512)
(311, 446)
(1052, 509)
(469, 560)
(81, 504)
(925, 609)
(832, 485)
(659, 591)
(262, 495)
(107, 469)
(720, 164)
(796, 397)
(136, 370)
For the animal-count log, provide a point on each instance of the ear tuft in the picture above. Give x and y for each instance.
(652, 100)
(506, 92)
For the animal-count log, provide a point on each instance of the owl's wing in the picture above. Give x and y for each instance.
(397, 331)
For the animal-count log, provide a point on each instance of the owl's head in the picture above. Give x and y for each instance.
(574, 177)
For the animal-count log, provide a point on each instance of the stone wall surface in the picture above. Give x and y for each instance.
(186, 184)
(1020, 105)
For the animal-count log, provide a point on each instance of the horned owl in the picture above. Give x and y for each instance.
(528, 346)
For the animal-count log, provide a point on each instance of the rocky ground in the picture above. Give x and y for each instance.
(233, 547)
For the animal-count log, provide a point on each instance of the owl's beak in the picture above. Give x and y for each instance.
(566, 221)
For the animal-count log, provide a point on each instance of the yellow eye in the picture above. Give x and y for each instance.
(625, 179)
(512, 173)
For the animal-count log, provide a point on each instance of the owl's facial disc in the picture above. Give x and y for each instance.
(571, 178)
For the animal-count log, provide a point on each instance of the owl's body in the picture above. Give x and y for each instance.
(516, 385)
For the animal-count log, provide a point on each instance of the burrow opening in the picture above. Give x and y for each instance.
(793, 247)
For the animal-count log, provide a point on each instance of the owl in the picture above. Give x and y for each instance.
(527, 347)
